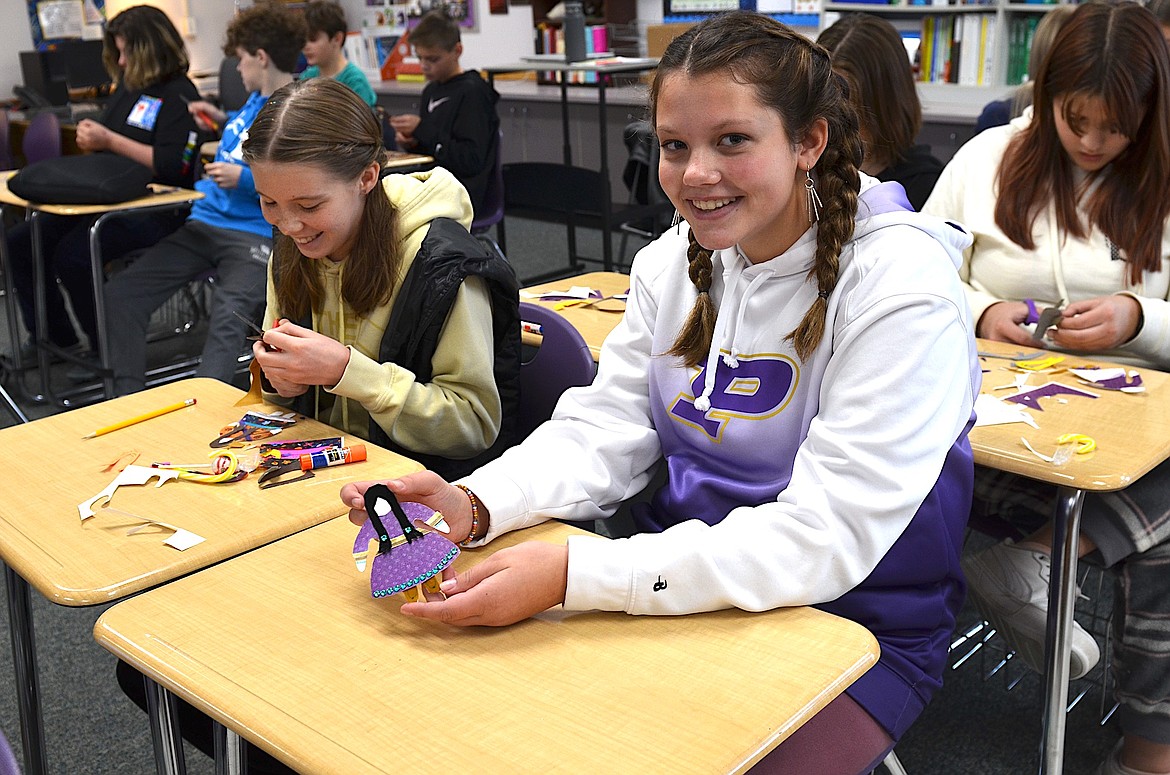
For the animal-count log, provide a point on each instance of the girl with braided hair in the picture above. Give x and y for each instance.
(798, 358)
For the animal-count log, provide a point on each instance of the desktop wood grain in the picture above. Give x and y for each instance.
(1132, 430)
(286, 646)
(50, 469)
(593, 324)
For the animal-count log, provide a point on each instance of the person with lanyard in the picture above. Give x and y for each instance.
(1069, 205)
(146, 120)
(771, 360)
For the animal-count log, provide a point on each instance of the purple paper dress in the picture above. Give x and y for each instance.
(407, 564)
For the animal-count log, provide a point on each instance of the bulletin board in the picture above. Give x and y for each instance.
(54, 21)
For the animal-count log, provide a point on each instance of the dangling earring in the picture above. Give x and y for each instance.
(814, 199)
(675, 221)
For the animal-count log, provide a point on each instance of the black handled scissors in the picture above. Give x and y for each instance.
(258, 336)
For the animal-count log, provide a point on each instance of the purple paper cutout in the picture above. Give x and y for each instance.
(409, 564)
(1120, 382)
(1031, 398)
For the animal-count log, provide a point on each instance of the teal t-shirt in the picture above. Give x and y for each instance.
(352, 76)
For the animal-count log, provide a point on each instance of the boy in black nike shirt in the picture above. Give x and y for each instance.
(458, 124)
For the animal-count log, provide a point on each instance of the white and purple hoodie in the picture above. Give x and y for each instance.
(842, 481)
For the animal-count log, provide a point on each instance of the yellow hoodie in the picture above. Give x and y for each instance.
(457, 414)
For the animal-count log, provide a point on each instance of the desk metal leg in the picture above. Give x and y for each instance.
(39, 314)
(97, 267)
(607, 194)
(231, 751)
(24, 657)
(163, 708)
(1062, 594)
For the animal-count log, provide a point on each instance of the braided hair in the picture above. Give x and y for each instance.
(793, 76)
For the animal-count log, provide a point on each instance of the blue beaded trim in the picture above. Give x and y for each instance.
(421, 577)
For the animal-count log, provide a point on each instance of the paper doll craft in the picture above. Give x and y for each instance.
(254, 426)
(406, 557)
(1111, 379)
(1031, 398)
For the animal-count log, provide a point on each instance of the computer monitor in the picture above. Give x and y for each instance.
(83, 64)
(44, 75)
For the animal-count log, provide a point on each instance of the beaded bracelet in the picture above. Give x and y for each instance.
(471, 536)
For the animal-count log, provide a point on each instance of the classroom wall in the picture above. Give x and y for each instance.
(211, 19)
(14, 38)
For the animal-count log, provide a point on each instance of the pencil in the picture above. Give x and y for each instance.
(140, 418)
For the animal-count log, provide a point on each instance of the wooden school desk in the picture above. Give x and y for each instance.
(593, 323)
(286, 646)
(43, 541)
(1132, 432)
(160, 198)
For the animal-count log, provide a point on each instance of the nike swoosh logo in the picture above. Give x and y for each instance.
(436, 103)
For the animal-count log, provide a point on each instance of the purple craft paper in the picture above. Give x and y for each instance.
(1121, 381)
(1031, 398)
(409, 564)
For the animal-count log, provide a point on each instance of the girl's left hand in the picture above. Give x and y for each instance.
(92, 136)
(510, 586)
(301, 356)
(1102, 323)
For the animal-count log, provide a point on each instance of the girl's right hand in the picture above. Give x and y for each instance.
(301, 356)
(425, 487)
(1002, 322)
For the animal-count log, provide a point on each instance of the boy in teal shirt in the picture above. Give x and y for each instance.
(324, 49)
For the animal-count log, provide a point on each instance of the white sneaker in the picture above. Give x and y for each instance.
(1009, 586)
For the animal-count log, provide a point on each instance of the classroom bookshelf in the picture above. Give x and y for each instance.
(609, 27)
(971, 44)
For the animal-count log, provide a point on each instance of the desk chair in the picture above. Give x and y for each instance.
(641, 177)
(492, 212)
(8, 763)
(42, 139)
(563, 361)
(232, 92)
(557, 192)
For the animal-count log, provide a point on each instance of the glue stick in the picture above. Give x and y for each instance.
(333, 456)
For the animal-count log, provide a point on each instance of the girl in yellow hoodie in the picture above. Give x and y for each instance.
(385, 318)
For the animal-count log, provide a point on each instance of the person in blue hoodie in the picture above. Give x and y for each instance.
(798, 358)
(226, 232)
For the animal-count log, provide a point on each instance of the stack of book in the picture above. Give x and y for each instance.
(550, 39)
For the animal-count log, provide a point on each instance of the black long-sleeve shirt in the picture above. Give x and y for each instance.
(458, 126)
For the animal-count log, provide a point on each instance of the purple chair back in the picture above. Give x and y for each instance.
(563, 361)
(493, 199)
(8, 763)
(42, 139)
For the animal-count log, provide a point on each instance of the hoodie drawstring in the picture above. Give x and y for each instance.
(724, 336)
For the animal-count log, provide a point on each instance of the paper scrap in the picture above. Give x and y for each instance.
(990, 410)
